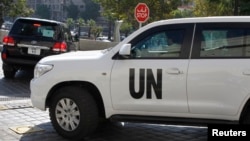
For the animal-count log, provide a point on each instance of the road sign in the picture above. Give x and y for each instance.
(141, 12)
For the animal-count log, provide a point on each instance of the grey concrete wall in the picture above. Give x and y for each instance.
(83, 44)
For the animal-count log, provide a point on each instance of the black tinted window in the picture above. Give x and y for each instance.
(220, 40)
(160, 45)
(225, 43)
(36, 28)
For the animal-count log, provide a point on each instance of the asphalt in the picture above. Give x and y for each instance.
(19, 120)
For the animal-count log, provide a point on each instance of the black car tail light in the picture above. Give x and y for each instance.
(7, 40)
(4, 55)
(60, 46)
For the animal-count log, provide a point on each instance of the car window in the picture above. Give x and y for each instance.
(225, 43)
(159, 45)
(35, 29)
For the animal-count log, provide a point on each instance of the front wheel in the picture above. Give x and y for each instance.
(246, 117)
(73, 112)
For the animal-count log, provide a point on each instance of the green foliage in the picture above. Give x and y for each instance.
(181, 14)
(126, 28)
(96, 31)
(91, 23)
(81, 21)
(4, 7)
(70, 22)
(13, 9)
(244, 7)
(19, 8)
(213, 8)
(124, 9)
(43, 11)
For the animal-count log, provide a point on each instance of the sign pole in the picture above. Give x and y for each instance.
(140, 24)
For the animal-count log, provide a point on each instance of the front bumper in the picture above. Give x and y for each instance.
(38, 95)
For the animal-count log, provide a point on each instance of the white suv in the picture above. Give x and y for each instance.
(182, 70)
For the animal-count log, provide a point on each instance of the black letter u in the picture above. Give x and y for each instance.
(133, 93)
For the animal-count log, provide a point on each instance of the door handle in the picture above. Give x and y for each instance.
(174, 71)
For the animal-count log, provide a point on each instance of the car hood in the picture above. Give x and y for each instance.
(77, 55)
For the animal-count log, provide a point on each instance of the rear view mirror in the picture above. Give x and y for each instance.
(125, 50)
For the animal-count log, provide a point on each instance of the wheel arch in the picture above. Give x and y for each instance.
(244, 110)
(86, 85)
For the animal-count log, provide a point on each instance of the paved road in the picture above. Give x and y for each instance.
(20, 121)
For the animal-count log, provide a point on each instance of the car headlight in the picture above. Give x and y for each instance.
(41, 69)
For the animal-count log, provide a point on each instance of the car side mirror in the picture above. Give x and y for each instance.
(125, 50)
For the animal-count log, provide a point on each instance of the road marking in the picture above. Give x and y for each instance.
(2, 107)
(26, 129)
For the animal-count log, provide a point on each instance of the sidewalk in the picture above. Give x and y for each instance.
(20, 121)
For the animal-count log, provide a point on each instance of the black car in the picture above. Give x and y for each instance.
(31, 39)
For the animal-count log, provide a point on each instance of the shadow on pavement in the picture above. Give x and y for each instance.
(48, 134)
(114, 131)
(18, 86)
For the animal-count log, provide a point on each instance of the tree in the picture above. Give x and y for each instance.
(96, 31)
(43, 11)
(4, 7)
(91, 23)
(19, 8)
(126, 28)
(182, 14)
(13, 8)
(80, 23)
(244, 7)
(124, 10)
(219, 8)
(70, 22)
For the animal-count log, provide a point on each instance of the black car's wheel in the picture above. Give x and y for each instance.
(73, 112)
(8, 71)
(9, 74)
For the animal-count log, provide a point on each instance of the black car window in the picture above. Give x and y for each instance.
(162, 44)
(36, 28)
(220, 40)
(224, 43)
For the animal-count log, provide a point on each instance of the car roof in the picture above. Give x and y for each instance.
(192, 20)
(39, 19)
(212, 19)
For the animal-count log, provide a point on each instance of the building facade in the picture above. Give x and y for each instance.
(57, 7)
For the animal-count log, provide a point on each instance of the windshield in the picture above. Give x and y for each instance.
(36, 28)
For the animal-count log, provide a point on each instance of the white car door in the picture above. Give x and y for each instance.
(153, 78)
(218, 81)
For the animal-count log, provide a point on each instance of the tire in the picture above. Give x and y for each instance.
(9, 74)
(73, 112)
(8, 71)
(246, 117)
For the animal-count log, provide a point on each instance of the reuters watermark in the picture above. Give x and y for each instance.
(228, 131)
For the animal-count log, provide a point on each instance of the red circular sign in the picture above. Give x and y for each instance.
(141, 12)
